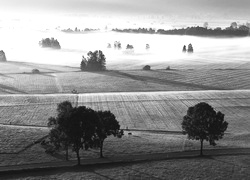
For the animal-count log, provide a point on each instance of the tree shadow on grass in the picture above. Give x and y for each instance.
(6, 76)
(11, 90)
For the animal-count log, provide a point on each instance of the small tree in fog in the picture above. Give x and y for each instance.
(96, 61)
(234, 25)
(202, 122)
(205, 25)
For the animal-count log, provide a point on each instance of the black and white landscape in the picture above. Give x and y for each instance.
(142, 89)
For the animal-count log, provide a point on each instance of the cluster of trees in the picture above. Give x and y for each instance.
(50, 42)
(117, 45)
(202, 31)
(96, 61)
(189, 50)
(232, 30)
(80, 127)
(2, 56)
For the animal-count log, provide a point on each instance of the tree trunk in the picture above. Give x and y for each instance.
(78, 157)
(201, 153)
(101, 147)
(67, 152)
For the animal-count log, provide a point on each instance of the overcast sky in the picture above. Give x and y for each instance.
(237, 9)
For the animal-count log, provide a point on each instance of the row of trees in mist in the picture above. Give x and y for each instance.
(77, 30)
(233, 30)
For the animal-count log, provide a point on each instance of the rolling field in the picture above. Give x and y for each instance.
(225, 167)
(61, 79)
(22, 115)
(144, 110)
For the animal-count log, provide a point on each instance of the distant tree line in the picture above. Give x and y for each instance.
(50, 42)
(233, 30)
(77, 30)
(139, 30)
(96, 61)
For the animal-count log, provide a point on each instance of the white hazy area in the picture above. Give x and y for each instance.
(19, 39)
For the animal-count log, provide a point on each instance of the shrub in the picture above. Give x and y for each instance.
(147, 67)
(35, 71)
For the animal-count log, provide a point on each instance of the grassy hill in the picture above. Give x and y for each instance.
(134, 110)
(16, 78)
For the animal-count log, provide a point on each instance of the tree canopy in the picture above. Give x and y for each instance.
(202, 122)
(50, 42)
(96, 61)
(2, 56)
(81, 128)
(108, 126)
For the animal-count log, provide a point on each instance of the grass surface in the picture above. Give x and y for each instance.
(16, 78)
(139, 143)
(145, 110)
(218, 167)
(15, 139)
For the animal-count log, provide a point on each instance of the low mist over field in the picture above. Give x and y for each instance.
(22, 45)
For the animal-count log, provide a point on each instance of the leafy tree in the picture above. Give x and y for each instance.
(2, 56)
(58, 133)
(82, 129)
(205, 25)
(234, 25)
(96, 61)
(83, 63)
(50, 42)
(190, 48)
(108, 125)
(184, 49)
(202, 122)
